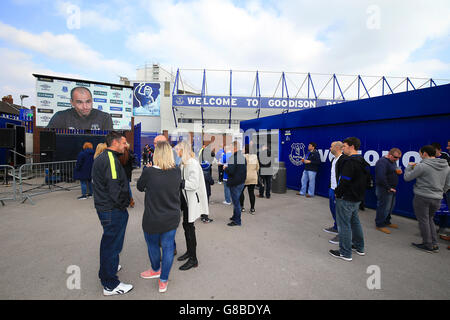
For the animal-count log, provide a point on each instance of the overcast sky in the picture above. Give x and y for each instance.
(102, 40)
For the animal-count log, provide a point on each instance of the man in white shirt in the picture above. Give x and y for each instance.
(336, 151)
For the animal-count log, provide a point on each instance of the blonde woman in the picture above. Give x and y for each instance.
(194, 201)
(252, 178)
(161, 183)
(100, 148)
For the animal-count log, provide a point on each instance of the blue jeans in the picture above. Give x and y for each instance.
(86, 184)
(349, 227)
(308, 176)
(114, 224)
(385, 205)
(235, 195)
(332, 199)
(167, 240)
(227, 192)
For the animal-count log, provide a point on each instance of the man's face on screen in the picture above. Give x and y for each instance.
(82, 102)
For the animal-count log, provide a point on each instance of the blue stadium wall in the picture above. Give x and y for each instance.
(405, 120)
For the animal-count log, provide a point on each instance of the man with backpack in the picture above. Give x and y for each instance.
(350, 191)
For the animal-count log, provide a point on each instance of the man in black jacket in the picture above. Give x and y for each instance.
(386, 181)
(236, 170)
(265, 171)
(111, 199)
(349, 193)
(312, 163)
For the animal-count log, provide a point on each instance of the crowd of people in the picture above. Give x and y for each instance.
(350, 178)
(177, 183)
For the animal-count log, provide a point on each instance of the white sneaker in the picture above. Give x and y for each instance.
(122, 288)
(227, 203)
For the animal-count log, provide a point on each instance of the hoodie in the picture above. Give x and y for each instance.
(432, 178)
(83, 167)
(353, 180)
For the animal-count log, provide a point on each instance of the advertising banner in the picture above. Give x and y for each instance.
(146, 99)
(249, 102)
(53, 95)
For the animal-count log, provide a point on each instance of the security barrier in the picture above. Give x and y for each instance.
(39, 178)
(8, 188)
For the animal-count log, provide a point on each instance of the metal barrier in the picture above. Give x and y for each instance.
(39, 178)
(8, 188)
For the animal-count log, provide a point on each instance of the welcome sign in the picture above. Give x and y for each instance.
(249, 102)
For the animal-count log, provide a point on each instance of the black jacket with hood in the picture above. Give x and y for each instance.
(353, 181)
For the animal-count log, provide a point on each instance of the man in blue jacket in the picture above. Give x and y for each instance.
(386, 180)
(236, 170)
(312, 163)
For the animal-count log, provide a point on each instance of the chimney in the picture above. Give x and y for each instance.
(8, 99)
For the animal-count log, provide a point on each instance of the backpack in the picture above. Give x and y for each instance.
(369, 180)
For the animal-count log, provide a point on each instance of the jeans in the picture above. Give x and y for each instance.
(251, 195)
(86, 185)
(227, 192)
(114, 224)
(425, 208)
(167, 240)
(266, 184)
(349, 227)
(332, 199)
(385, 205)
(235, 195)
(308, 176)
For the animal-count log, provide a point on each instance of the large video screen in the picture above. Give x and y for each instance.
(96, 105)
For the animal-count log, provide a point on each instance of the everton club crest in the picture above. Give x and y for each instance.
(297, 153)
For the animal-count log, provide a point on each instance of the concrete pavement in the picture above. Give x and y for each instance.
(280, 252)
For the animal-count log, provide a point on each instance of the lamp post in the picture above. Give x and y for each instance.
(22, 96)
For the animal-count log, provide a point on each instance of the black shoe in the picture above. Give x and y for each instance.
(252, 211)
(360, 253)
(233, 224)
(183, 257)
(207, 220)
(267, 197)
(191, 263)
(243, 210)
(423, 247)
(337, 254)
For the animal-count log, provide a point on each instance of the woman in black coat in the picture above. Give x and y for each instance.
(161, 183)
